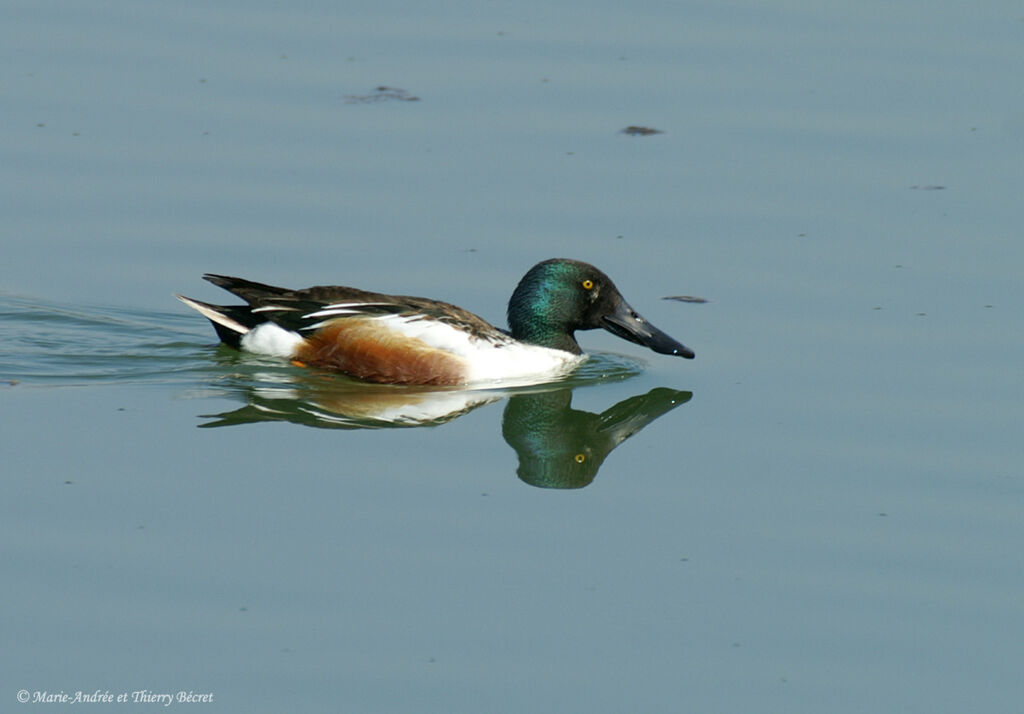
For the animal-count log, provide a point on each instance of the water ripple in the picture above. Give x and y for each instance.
(45, 343)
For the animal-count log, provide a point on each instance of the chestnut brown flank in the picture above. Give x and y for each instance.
(359, 347)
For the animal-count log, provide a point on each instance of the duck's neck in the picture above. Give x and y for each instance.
(541, 311)
(536, 331)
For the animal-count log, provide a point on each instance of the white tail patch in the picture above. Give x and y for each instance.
(211, 314)
(271, 339)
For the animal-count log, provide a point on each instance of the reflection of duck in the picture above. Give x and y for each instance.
(354, 406)
(407, 340)
(561, 447)
(557, 446)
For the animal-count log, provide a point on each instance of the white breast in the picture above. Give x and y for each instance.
(521, 364)
(503, 361)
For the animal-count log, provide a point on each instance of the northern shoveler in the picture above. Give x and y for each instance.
(395, 339)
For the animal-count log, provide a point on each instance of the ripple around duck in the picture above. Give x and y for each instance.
(49, 344)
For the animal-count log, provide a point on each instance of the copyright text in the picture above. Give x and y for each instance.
(105, 696)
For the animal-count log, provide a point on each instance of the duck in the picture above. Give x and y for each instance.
(404, 340)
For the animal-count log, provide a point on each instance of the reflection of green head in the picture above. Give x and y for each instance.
(560, 447)
(551, 440)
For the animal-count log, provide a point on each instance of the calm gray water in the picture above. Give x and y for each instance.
(821, 513)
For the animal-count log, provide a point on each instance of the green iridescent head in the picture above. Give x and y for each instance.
(557, 297)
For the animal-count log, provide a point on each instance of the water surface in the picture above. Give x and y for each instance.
(819, 513)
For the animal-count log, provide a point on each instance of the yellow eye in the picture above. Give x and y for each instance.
(588, 284)
(580, 458)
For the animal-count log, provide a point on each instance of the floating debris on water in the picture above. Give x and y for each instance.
(686, 298)
(929, 187)
(640, 131)
(381, 94)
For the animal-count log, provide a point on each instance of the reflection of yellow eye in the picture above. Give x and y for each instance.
(588, 284)
(580, 458)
